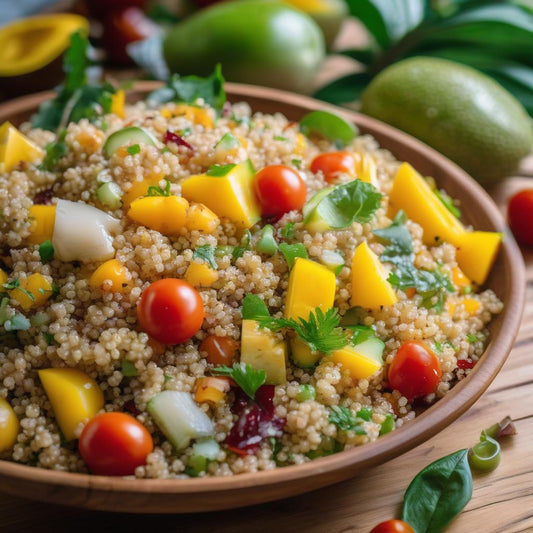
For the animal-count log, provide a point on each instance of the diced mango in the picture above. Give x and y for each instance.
(470, 305)
(32, 291)
(200, 275)
(201, 218)
(16, 147)
(411, 193)
(75, 397)
(117, 103)
(9, 426)
(476, 253)
(3, 277)
(112, 271)
(231, 196)
(460, 281)
(359, 365)
(196, 115)
(261, 349)
(301, 144)
(166, 214)
(365, 168)
(140, 188)
(370, 288)
(42, 220)
(212, 390)
(302, 355)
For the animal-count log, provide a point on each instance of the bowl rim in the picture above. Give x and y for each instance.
(460, 398)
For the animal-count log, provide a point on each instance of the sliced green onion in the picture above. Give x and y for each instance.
(267, 243)
(110, 194)
(387, 425)
(306, 392)
(485, 455)
(330, 126)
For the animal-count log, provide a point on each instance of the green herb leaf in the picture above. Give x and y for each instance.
(207, 253)
(365, 413)
(189, 89)
(46, 251)
(330, 126)
(246, 245)
(361, 334)
(448, 202)
(292, 251)
(254, 307)
(156, 190)
(343, 418)
(17, 322)
(280, 138)
(399, 239)
(220, 170)
(133, 149)
(471, 338)
(248, 379)
(438, 493)
(438, 347)
(127, 369)
(297, 163)
(15, 285)
(54, 151)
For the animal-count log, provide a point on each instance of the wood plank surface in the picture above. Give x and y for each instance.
(502, 501)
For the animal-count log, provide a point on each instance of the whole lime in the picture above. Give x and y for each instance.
(457, 110)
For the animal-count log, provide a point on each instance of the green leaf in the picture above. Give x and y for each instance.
(75, 62)
(292, 251)
(399, 238)
(248, 379)
(287, 231)
(364, 55)
(207, 253)
(355, 201)
(448, 202)
(156, 190)
(346, 89)
(330, 126)
(133, 149)
(343, 418)
(189, 89)
(361, 334)
(54, 151)
(253, 307)
(220, 170)
(438, 493)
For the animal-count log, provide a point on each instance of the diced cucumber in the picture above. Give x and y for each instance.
(313, 220)
(333, 260)
(310, 205)
(130, 135)
(208, 448)
(179, 418)
(371, 348)
(110, 194)
(302, 355)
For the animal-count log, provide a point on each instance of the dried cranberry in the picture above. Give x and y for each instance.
(172, 137)
(131, 408)
(465, 363)
(44, 197)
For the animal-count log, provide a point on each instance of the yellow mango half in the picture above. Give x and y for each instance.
(359, 365)
(75, 397)
(16, 147)
(166, 214)
(229, 196)
(32, 291)
(411, 193)
(476, 253)
(9, 426)
(370, 288)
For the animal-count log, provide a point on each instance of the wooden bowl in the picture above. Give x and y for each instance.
(192, 495)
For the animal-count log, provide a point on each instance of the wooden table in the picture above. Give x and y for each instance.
(502, 501)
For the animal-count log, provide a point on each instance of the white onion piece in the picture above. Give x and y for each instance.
(83, 232)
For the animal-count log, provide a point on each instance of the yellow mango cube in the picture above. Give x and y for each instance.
(9, 426)
(196, 115)
(139, 188)
(166, 214)
(111, 276)
(3, 277)
(365, 168)
(231, 196)
(201, 218)
(261, 349)
(459, 279)
(212, 390)
(470, 305)
(359, 365)
(117, 103)
(32, 291)
(302, 355)
(42, 220)
(16, 147)
(476, 253)
(411, 193)
(370, 288)
(200, 275)
(75, 397)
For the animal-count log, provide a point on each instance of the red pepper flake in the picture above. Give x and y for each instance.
(465, 363)
(171, 137)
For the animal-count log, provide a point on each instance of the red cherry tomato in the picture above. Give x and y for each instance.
(279, 189)
(334, 163)
(114, 444)
(520, 216)
(170, 310)
(100, 8)
(415, 370)
(220, 350)
(393, 526)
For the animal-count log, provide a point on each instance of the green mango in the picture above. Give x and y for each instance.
(262, 42)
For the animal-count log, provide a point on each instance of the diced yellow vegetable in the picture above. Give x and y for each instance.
(35, 285)
(166, 214)
(42, 220)
(196, 115)
(9, 426)
(229, 196)
(201, 218)
(302, 355)
(365, 168)
(117, 103)
(411, 193)
(200, 275)
(111, 276)
(75, 397)
(359, 365)
(476, 253)
(16, 147)
(370, 288)
(140, 188)
(470, 305)
(460, 281)
(212, 390)
(301, 144)
(3, 277)
(261, 349)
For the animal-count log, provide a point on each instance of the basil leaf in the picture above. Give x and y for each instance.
(330, 126)
(355, 201)
(438, 493)
(253, 307)
(292, 251)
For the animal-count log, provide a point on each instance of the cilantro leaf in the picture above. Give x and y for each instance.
(156, 190)
(400, 242)
(343, 418)
(448, 202)
(292, 251)
(133, 149)
(220, 170)
(321, 331)
(207, 253)
(54, 151)
(355, 201)
(189, 89)
(253, 306)
(246, 376)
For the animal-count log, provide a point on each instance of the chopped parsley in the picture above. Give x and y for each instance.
(297, 163)
(54, 151)
(280, 138)
(246, 377)
(245, 245)
(343, 418)
(398, 237)
(292, 251)
(156, 190)
(219, 171)
(437, 346)
(207, 253)
(253, 306)
(133, 149)
(471, 338)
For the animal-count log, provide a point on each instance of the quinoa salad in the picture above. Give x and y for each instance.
(190, 288)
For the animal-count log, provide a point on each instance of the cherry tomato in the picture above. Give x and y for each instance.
(415, 370)
(100, 8)
(170, 310)
(393, 526)
(279, 189)
(114, 444)
(220, 350)
(334, 163)
(520, 216)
